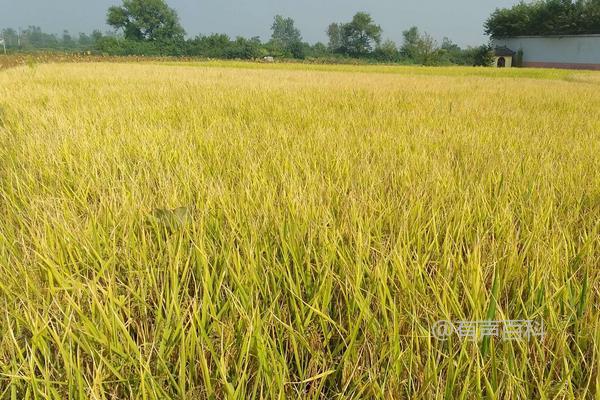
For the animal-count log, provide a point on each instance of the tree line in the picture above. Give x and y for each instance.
(33, 38)
(545, 17)
(152, 28)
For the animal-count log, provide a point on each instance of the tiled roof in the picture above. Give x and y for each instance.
(503, 51)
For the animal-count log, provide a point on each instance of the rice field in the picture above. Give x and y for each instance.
(216, 230)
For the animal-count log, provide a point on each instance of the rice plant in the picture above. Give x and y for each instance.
(235, 231)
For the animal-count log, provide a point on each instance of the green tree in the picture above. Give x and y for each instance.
(298, 50)
(96, 35)
(34, 37)
(334, 31)
(360, 36)
(286, 36)
(387, 51)
(479, 56)
(11, 37)
(243, 48)
(545, 17)
(67, 40)
(421, 48)
(319, 50)
(411, 43)
(221, 46)
(451, 53)
(213, 46)
(146, 20)
(85, 41)
(428, 52)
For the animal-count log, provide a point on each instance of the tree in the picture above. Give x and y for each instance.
(319, 50)
(451, 53)
(67, 40)
(545, 17)
(146, 20)
(243, 48)
(85, 41)
(11, 37)
(334, 31)
(34, 37)
(286, 36)
(479, 56)
(96, 35)
(387, 51)
(411, 43)
(221, 46)
(484, 56)
(298, 50)
(286, 39)
(213, 46)
(360, 36)
(428, 52)
(421, 48)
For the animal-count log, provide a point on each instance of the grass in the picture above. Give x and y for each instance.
(241, 231)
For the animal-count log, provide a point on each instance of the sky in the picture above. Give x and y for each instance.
(460, 20)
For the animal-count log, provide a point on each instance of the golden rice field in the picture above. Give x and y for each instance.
(235, 231)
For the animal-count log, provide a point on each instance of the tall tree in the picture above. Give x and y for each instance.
(411, 43)
(85, 41)
(96, 35)
(34, 37)
(421, 47)
(334, 31)
(427, 50)
(146, 20)
(285, 34)
(11, 37)
(286, 38)
(361, 35)
(67, 40)
(545, 17)
(452, 52)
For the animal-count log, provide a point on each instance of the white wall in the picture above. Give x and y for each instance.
(584, 49)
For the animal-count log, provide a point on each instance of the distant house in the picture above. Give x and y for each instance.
(566, 51)
(503, 57)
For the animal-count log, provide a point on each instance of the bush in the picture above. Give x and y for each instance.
(125, 47)
(482, 56)
(518, 59)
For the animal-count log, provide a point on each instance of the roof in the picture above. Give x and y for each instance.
(503, 51)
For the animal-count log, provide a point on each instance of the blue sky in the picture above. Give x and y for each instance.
(460, 20)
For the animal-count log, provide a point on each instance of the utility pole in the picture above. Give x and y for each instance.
(3, 42)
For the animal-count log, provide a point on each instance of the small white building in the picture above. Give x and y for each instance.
(503, 57)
